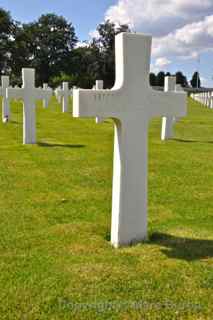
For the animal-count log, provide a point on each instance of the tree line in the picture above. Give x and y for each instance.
(50, 45)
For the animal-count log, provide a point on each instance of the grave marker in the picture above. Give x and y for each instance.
(47, 96)
(57, 95)
(168, 122)
(131, 103)
(64, 94)
(5, 102)
(29, 94)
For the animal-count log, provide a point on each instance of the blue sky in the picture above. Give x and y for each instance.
(182, 30)
(85, 15)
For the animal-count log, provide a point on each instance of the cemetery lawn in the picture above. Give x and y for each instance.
(56, 261)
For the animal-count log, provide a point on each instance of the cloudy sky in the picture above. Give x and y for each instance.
(182, 30)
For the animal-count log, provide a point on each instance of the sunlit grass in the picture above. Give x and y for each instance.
(56, 261)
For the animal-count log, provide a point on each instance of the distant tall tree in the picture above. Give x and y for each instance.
(160, 79)
(22, 51)
(195, 82)
(181, 79)
(6, 34)
(84, 65)
(54, 39)
(152, 79)
(106, 44)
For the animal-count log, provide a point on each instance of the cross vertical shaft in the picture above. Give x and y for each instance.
(129, 198)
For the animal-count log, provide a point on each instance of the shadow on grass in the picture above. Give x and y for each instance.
(183, 248)
(55, 145)
(14, 122)
(190, 141)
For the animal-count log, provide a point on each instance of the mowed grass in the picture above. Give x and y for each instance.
(56, 261)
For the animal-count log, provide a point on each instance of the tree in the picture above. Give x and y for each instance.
(83, 64)
(181, 79)
(54, 38)
(195, 82)
(106, 44)
(152, 79)
(160, 79)
(21, 49)
(6, 34)
(44, 45)
(56, 81)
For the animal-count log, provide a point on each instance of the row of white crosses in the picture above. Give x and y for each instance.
(5, 101)
(29, 94)
(205, 98)
(131, 103)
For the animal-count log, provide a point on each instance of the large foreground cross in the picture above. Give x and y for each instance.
(29, 94)
(5, 103)
(131, 103)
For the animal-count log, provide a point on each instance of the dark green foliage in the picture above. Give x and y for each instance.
(106, 45)
(195, 82)
(84, 63)
(44, 45)
(152, 79)
(181, 79)
(160, 79)
(6, 34)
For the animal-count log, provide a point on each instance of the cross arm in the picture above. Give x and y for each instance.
(41, 94)
(59, 92)
(101, 103)
(167, 103)
(15, 93)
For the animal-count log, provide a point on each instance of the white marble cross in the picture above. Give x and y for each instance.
(168, 122)
(5, 102)
(29, 94)
(211, 101)
(63, 93)
(48, 95)
(57, 95)
(131, 103)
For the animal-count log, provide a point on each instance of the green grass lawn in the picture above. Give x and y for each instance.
(56, 261)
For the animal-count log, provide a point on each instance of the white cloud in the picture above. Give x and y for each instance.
(186, 42)
(94, 34)
(158, 16)
(162, 62)
(82, 44)
(181, 29)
